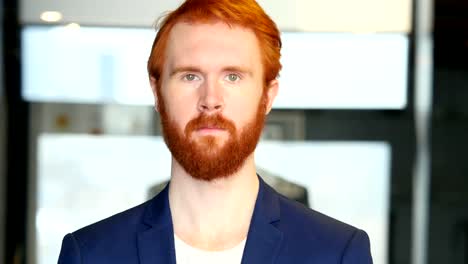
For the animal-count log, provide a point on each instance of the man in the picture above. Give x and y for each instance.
(213, 69)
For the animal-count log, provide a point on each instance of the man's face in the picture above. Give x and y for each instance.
(212, 99)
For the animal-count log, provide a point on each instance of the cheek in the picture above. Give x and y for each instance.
(243, 110)
(180, 109)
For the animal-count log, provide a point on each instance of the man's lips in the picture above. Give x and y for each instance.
(209, 129)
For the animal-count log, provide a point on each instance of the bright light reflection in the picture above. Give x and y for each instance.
(73, 26)
(346, 180)
(320, 71)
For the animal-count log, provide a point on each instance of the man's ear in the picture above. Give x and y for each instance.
(153, 83)
(272, 91)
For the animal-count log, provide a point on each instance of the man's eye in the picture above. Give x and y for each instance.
(232, 77)
(190, 77)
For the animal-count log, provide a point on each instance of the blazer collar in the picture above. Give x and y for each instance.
(156, 244)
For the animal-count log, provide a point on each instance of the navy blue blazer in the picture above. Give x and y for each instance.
(281, 231)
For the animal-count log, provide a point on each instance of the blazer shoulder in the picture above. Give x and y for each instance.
(333, 238)
(296, 213)
(116, 239)
(123, 224)
(112, 240)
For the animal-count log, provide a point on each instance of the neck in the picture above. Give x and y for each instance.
(213, 215)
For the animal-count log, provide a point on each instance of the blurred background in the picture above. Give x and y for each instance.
(370, 123)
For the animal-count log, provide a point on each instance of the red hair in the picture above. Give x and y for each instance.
(244, 13)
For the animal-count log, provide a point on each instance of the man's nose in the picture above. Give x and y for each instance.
(211, 97)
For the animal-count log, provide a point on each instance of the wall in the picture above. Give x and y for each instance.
(294, 15)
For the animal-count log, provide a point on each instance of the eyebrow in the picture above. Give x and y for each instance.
(179, 69)
(243, 70)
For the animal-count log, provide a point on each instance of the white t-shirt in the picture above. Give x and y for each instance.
(186, 254)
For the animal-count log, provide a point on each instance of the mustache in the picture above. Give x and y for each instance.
(214, 121)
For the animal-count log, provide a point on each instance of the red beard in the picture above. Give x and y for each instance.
(205, 158)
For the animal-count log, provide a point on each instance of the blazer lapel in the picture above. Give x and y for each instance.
(264, 239)
(156, 241)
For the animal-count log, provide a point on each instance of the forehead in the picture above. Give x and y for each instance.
(216, 44)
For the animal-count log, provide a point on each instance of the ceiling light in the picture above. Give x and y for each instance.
(51, 16)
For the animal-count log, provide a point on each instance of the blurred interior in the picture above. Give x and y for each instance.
(80, 140)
